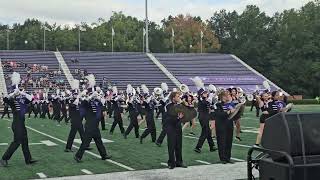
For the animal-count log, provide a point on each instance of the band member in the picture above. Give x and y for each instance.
(93, 105)
(149, 106)
(174, 132)
(189, 101)
(56, 106)
(133, 102)
(63, 103)
(33, 107)
(255, 103)
(117, 103)
(204, 116)
(5, 110)
(224, 126)
(104, 109)
(163, 102)
(18, 101)
(74, 112)
(263, 105)
(235, 99)
(45, 109)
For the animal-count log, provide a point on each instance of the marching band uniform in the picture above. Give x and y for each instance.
(151, 127)
(64, 116)
(76, 121)
(56, 106)
(45, 109)
(18, 102)
(5, 110)
(224, 130)
(174, 137)
(117, 115)
(204, 117)
(93, 116)
(133, 114)
(164, 131)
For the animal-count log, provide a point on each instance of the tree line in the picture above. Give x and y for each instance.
(284, 47)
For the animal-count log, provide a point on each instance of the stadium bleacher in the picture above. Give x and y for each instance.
(122, 68)
(30, 58)
(221, 70)
(118, 68)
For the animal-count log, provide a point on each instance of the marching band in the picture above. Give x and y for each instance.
(217, 109)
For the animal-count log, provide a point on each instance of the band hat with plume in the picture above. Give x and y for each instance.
(164, 87)
(129, 89)
(145, 89)
(15, 78)
(91, 80)
(198, 82)
(75, 84)
(212, 88)
(114, 90)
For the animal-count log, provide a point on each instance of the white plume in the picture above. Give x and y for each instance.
(164, 87)
(75, 84)
(91, 80)
(266, 85)
(212, 88)
(138, 90)
(15, 78)
(145, 89)
(58, 91)
(198, 82)
(114, 90)
(129, 89)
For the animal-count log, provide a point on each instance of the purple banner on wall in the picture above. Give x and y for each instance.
(223, 80)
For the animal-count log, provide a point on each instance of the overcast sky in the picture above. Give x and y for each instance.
(76, 11)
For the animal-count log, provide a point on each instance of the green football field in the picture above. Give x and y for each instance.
(47, 142)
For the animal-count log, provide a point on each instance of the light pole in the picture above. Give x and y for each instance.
(44, 36)
(147, 28)
(8, 37)
(79, 36)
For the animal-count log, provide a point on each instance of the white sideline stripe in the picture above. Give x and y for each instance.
(3, 144)
(41, 175)
(164, 164)
(86, 171)
(236, 159)
(250, 131)
(88, 152)
(48, 143)
(240, 145)
(103, 141)
(203, 162)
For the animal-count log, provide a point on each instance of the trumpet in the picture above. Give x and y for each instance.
(158, 91)
(184, 88)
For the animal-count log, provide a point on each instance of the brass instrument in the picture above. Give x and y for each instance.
(184, 88)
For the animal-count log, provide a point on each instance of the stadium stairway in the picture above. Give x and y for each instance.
(3, 87)
(64, 66)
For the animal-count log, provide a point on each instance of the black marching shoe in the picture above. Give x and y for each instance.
(68, 150)
(230, 162)
(124, 136)
(238, 138)
(171, 167)
(141, 140)
(213, 148)
(197, 150)
(3, 163)
(77, 159)
(223, 162)
(106, 157)
(31, 162)
(181, 165)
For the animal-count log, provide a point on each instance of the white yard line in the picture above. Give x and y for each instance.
(41, 175)
(88, 152)
(236, 159)
(164, 164)
(203, 162)
(86, 171)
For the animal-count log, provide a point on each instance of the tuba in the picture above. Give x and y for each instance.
(157, 91)
(184, 88)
